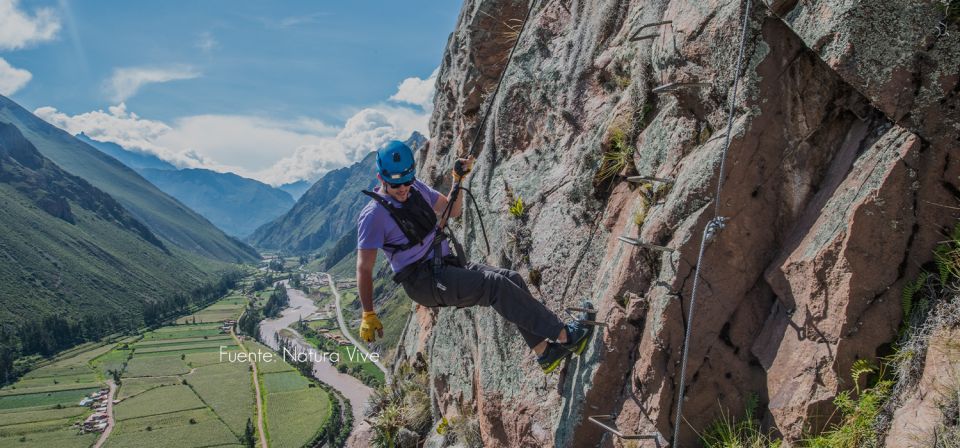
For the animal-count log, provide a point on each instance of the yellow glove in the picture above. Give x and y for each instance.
(369, 325)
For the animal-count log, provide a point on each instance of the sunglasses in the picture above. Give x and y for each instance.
(405, 184)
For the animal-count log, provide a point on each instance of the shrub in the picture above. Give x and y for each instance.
(405, 403)
(616, 158)
(746, 433)
(517, 208)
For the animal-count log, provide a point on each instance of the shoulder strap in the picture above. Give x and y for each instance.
(405, 226)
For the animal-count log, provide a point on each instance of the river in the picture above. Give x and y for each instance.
(302, 307)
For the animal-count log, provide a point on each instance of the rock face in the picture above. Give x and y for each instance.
(915, 421)
(842, 157)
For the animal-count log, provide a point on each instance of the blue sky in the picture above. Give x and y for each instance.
(205, 83)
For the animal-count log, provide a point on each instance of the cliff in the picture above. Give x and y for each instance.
(841, 177)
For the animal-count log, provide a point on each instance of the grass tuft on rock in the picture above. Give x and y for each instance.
(617, 156)
(404, 404)
(727, 432)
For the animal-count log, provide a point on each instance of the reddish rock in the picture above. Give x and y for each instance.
(835, 160)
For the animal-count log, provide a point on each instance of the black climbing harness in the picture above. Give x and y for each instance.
(416, 219)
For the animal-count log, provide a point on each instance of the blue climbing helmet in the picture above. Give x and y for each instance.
(395, 163)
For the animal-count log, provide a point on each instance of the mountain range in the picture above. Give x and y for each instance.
(166, 217)
(235, 204)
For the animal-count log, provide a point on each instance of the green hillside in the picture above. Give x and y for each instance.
(165, 216)
(72, 250)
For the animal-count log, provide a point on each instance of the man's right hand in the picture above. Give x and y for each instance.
(370, 327)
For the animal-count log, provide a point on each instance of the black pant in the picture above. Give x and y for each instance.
(478, 284)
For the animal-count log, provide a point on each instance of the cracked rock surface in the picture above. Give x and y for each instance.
(842, 174)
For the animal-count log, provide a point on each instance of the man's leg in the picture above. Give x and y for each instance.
(531, 339)
(486, 287)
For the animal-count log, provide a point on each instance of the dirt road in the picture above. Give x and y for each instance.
(256, 388)
(110, 419)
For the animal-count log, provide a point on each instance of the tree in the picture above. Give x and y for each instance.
(116, 376)
(277, 302)
(248, 439)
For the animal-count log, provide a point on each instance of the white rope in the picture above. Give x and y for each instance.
(712, 229)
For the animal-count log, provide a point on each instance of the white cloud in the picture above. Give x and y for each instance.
(273, 151)
(417, 91)
(252, 143)
(125, 82)
(124, 128)
(19, 30)
(292, 21)
(12, 79)
(365, 131)
(206, 42)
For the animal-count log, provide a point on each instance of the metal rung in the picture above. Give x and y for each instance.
(636, 242)
(581, 309)
(665, 22)
(644, 37)
(664, 180)
(593, 322)
(674, 86)
(656, 437)
(636, 34)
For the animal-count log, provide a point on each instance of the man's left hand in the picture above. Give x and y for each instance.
(462, 168)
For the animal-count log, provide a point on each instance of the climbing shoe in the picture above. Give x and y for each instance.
(578, 335)
(552, 357)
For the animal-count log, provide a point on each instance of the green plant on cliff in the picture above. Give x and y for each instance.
(859, 410)
(517, 208)
(464, 429)
(930, 302)
(745, 433)
(910, 291)
(640, 215)
(951, 12)
(404, 403)
(617, 156)
(947, 257)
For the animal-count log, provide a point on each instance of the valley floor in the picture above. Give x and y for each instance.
(177, 387)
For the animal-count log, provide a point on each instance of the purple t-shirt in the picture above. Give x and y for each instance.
(375, 227)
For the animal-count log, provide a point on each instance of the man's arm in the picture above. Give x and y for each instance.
(366, 259)
(442, 201)
(457, 207)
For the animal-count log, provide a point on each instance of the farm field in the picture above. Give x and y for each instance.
(228, 308)
(296, 409)
(41, 408)
(175, 389)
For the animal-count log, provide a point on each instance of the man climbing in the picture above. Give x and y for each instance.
(404, 220)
